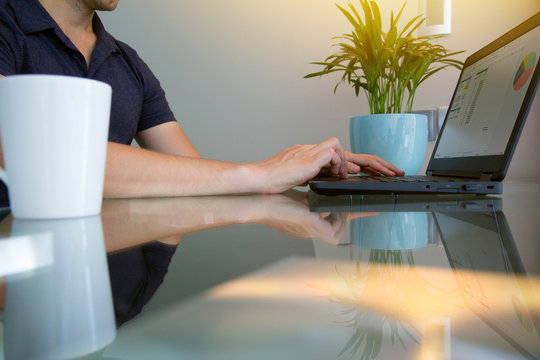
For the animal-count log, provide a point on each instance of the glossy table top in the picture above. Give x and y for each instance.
(293, 276)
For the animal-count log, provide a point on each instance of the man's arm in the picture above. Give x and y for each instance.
(133, 172)
(167, 138)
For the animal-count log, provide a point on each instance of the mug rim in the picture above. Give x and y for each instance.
(52, 77)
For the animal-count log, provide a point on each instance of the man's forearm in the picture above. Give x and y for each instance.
(134, 172)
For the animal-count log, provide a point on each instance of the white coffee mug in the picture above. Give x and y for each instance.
(54, 139)
(62, 309)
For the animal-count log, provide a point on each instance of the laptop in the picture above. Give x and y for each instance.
(482, 126)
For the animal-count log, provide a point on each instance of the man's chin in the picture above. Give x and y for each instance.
(106, 5)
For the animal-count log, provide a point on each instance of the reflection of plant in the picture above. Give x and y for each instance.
(386, 292)
(371, 336)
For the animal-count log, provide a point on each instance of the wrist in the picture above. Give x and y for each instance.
(254, 176)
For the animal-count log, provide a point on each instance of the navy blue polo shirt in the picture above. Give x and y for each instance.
(32, 43)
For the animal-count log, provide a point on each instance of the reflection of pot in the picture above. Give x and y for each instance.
(391, 231)
(62, 310)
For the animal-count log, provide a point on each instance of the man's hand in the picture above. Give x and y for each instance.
(300, 163)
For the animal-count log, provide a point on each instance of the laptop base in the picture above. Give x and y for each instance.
(370, 185)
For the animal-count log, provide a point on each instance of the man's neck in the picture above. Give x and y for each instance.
(75, 20)
(72, 16)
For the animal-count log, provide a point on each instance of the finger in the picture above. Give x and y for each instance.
(375, 163)
(344, 169)
(377, 169)
(353, 168)
(335, 164)
(325, 160)
(339, 222)
(329, 162)
(388, 170)
(324, 230)
(380, 161)
(370, 171)
(342, 164)
(358, 215)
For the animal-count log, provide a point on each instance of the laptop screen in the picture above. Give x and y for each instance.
(491, 100)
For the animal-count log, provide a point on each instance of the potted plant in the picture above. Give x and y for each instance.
(388, 66)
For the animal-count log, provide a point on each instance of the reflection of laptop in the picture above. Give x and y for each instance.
(480, 243)
(482, 126)
(402, 203)
(477, 241)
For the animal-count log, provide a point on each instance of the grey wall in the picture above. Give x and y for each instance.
(233, 70)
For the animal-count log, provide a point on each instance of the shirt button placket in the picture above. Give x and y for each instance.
(80, 60)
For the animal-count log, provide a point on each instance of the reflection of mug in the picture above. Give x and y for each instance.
(391, 231)
(54, 138)
(63, 310)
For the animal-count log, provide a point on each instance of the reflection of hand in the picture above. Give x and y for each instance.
(130, 222)
(290, 214)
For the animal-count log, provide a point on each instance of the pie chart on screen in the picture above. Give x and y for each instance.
(524, 71)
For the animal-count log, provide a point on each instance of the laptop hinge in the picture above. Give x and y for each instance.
(486, 176)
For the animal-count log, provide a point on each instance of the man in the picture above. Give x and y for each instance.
(66, 37)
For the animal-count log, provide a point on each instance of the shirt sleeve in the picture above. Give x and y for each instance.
(155, 109)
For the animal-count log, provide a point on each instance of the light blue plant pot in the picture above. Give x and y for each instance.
(400, 139)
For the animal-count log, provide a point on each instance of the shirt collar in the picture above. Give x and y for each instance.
(103, 36)
(32, 17)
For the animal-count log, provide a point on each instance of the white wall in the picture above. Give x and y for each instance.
(233, 70)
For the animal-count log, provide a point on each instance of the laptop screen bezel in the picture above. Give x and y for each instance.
(494, 165)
